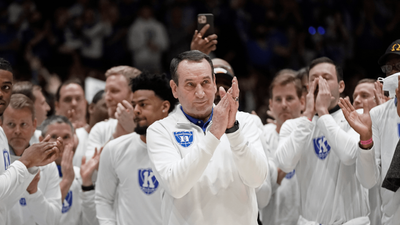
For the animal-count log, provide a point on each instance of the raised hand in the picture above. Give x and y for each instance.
(125, 116)
(380, 98)
(67, 169)
(233, 92)
(87, 168)
(43, 153)
(220, 120)
(205, 45)
(324, 97)
(361, 123)
(71, 114)
(309, 111)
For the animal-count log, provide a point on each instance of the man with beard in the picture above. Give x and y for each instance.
(127, 191)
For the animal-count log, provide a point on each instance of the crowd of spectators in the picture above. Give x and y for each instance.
(49, 42)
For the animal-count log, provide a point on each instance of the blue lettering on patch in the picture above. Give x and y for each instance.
(22, 201)
(321, 147)
(7, 160)
(290, 174)
(184, 138)
(147, 181)
(67, 203)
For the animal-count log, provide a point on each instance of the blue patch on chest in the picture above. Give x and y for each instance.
(6, 157)
(67, 203)
(22, 202)
(184, 138)
(147, 181)
(290, 174)
(321, 147)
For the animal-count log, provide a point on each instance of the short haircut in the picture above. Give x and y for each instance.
(98, 96)
(21, 101)
(65, 83)
(284, 77)
(52, 120)
(25, 88)
(366, 80)
(157, 83)
(193, 55)
(127, 71)
(339, 71)
(5, 65)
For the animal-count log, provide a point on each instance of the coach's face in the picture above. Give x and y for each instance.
(196, 88)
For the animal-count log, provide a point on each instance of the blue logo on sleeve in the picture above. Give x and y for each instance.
(184, 138)
(22, 201)
(147, 181)
(67, 203)
(6, 157)
(290, 174)
(321, 147)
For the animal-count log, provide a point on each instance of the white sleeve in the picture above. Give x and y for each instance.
(344, 144)
(95, 140)
(368, 164)
(106, 185)
(268, 188)
(248, 154)
(14, 181)
(178, 175)
(46, 208)
(293, 137)
(88, 208)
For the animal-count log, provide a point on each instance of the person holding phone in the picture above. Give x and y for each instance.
(204, 39)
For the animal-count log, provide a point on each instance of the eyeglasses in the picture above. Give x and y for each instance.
(388, 68)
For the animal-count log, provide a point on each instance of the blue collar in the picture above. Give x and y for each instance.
(199, 122)
(59, 170)
(395, 101)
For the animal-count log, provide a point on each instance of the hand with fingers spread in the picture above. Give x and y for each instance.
(67, 169)
(324, 97)
(43, 153)
(220, 120)
(206, 45)
(361, 123)
(309, 111)
(33, 186)
(87, 168)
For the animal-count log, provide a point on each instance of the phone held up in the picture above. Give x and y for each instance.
(202, 20)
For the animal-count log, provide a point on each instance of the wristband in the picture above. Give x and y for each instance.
(88, 188)
(367, 142)
(233, 129)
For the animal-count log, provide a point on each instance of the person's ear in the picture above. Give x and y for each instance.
(165, 106)
(91, 108)
(341, 86)
(34, 123)
(174, 88)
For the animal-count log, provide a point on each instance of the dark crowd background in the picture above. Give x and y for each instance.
(48, 42)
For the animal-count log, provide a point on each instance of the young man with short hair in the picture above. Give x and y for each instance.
(127, 192)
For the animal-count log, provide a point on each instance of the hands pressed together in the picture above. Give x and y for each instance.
(224, 115)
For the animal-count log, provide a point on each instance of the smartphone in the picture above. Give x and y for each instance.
(202, 20)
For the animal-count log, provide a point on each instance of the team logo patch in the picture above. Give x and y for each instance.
(22, 201)
(321, 147)
(184, 138)
(67, 203)
(6, 157)
(290, 174)
(147, 181)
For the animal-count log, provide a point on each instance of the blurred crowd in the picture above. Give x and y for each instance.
(50, 42)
